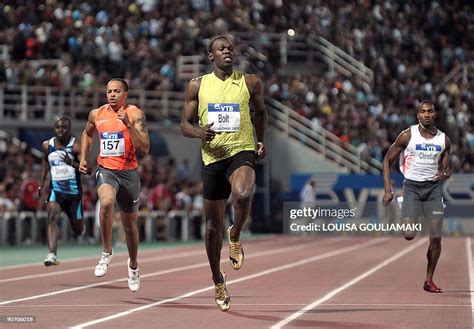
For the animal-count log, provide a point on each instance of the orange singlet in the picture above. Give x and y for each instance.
(116, 150)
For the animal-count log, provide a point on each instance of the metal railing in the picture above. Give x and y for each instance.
(188, 67)
(294, 48)
(25, 103)
(340, 61)
(322, 141)
(460, 73)
(303, 48)
(18, 226)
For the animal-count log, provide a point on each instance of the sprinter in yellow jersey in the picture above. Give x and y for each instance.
(221, 101)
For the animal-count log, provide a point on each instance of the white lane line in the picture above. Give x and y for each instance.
(117, 264)
(471, 276)
(348, 284)
(252, 242)
(92, 257)
(245, 278)
(89, 268)
(173, 270)
(120, 305)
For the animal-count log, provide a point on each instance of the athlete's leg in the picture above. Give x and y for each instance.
(107, 204)
(435, 226)
(75, 215)
(242, 182)
(433, 209)
(54, 210)
(434, 251)
(433, 254)
(434, 212)
(77, 226)
(129, 222)
(411, 208)
(408, 233)
(214, 214)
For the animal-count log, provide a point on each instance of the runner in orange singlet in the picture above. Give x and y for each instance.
(122, 131)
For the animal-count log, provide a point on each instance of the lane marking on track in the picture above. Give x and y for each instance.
(348, 284)
(245, 278)
(471, 275)
(115, 264)
(173, 270)
(253, 242)
(184, 254)
(244, 304)
(40, 264)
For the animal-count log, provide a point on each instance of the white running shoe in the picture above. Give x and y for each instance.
(103, 266)
(51, 259)
(133, 278)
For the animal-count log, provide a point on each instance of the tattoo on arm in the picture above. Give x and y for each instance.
(140, 124)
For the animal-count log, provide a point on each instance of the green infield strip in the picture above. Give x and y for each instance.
(36, 254)
(29, 254)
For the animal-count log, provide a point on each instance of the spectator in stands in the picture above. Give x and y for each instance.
(29, 191)
(385, 36)
(6, 204)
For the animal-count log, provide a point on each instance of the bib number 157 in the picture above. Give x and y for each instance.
(110, 145)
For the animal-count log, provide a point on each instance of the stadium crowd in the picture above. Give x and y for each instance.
(165, 184)
(409, 45)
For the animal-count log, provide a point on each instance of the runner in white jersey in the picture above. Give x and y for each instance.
(425, 163)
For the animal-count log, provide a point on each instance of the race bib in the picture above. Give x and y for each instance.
(60, 170)
(112, 144)
(226, 116)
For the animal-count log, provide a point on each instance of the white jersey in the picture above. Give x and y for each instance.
(420, 160)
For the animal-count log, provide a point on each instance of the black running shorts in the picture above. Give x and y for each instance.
(71, 204)
(216, 184)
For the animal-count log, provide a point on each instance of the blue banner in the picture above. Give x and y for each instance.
(359, 190)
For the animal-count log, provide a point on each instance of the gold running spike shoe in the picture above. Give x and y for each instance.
(236, 252)
(222, 296)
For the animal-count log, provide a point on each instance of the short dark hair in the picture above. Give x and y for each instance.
(211, 44)
(124, 83)
(425, 102)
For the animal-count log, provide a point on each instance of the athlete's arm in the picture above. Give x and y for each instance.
(444, 170)
(137, 129)
(76, 149)
(393, 153)
(255, 86)
(44, 167)
(86, 141)
(190, 113)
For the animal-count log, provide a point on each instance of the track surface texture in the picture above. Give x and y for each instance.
(286, 282)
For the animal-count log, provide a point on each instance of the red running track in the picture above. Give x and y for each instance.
(285, 283)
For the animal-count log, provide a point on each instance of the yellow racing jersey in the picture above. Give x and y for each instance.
(226, 104)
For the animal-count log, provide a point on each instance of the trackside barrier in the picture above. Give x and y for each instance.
(29, 227)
